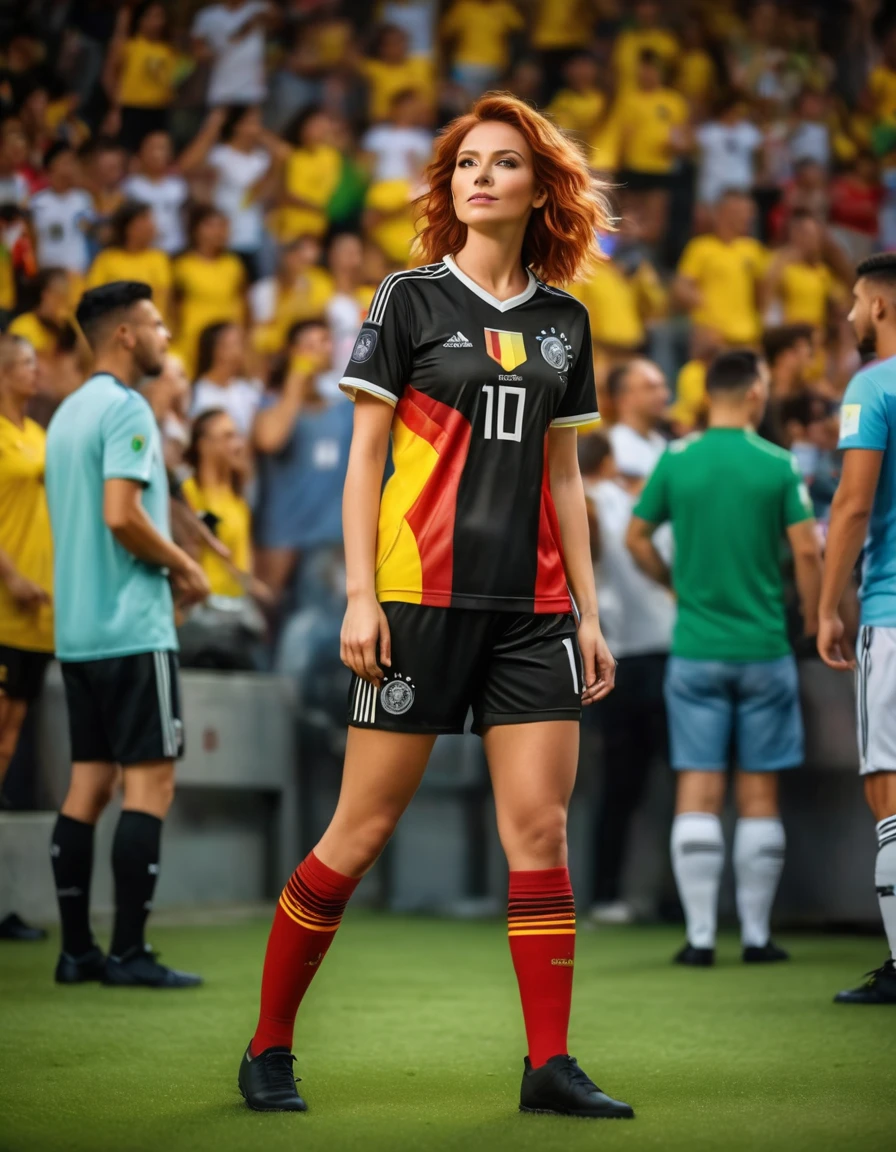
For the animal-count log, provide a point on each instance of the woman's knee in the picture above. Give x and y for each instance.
(352, 845)
(538, 834)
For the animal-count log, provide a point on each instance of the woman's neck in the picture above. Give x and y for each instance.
(207, 253)
(345, 283)
(213, 474)
(13, 408)
(494, 262)
(220, 376)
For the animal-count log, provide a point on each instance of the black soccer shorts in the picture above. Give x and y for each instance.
(509, 667)
(126, 709)
(22, 672)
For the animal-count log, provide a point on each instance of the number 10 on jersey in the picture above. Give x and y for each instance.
(502, 432)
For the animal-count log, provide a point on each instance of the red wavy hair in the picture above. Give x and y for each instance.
(560, 238)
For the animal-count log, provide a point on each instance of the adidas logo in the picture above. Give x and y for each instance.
(458, 340)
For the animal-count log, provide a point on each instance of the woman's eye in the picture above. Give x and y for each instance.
(464, 163)
(508, 163)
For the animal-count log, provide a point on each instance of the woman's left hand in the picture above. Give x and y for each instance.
(598, 662)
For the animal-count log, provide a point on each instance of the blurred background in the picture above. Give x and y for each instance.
(257, 163)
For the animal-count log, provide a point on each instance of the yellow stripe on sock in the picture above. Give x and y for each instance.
(541, 923)
(545, 932)
(305, 923)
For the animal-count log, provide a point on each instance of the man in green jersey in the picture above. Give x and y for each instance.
(730, 497)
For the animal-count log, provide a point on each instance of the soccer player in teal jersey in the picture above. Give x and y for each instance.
(107, 492)
(864, 513)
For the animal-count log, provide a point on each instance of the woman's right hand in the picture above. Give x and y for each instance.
(365, 634)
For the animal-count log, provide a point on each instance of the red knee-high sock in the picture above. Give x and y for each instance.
(309, 912)
(541, 925)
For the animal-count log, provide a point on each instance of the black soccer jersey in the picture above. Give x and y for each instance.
(467, 519)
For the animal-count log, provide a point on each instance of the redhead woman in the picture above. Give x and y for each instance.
(469, 575)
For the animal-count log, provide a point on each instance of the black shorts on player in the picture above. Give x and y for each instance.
(124, 710)
(22, 672)
(509, 667)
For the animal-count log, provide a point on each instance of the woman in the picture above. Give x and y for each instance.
(209, 282)
(458, 576)
(222, 381)
(139, 75)
(301, 440)
(131, 255)
(311, 176)
(214, 492)
(299, 290)
(352, 294)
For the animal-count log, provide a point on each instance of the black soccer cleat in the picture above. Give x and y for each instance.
(561, 1088)
(267, 1083)
(879, 988)
(769, 953)
(139, 968)
(13, 927)
(81, 969)
(693, 957)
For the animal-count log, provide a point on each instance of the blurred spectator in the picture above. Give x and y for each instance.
(168, 394)
(640, 396)
(645, 35)
(580, 106)
(231, 37)
(103, 169)
(310, 177)
(139, 74)
(390, 69)
(61, 214)
(222, 382)
(299, 290)
(416, 18)
(729, 144)
(559, 28)
(856, 198)
(131, 255)
(301, 439)
(696, 75)
(789, 352)
(811, 429)
(882, 81)
(719, 274)
(652, 121)
(477, 36)
(159, 183)
(799, 280)
(400, 147)
(209, 282)
(14, 187)
(691, 403)
(810, 139)
(43, 324)
(352, 295)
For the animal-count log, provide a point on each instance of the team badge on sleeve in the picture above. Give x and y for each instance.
(138, 443)
(364, 346)
(849, 420)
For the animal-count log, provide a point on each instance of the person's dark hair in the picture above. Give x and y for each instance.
(302, 326)
(777, 341)
(593, 450)
(295, 128)
(616, 380)
(235, 113)
(734, 371)
(649, 56)
(806, 408)
(123, 217)
(380, 35)
(141, 10)
(100, 306)
(198, 216)
(208, 345)
(55, 151)
(191, 453)
(402, 96)
(801, 214)
(881, 268)
(733, 192)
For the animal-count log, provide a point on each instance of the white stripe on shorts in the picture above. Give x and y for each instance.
(163, 692)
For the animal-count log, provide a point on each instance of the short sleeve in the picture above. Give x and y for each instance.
(380, 362)
(578, 406)
(863, 414)
(797, 501)
(653, 505)
(691, 263)
(129, 431)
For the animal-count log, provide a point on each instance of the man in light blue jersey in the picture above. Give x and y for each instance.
(107, 492)
(864, 513)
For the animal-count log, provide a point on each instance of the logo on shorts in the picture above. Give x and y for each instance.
(137, 443)
(555, 349)
(397, 695)
(364, 346)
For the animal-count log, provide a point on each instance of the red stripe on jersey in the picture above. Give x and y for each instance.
(494, 340)
(551, 590)
(432, 516)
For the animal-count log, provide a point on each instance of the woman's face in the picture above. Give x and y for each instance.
(347, 255)
(212, 233)
(315, 131)
(247, 130)
(19, 376)
(15, 147)
(152, 26)
(221, 443)
(229, 349)
(54, 301)
(494, 179)
(155, 153)
(141, 231)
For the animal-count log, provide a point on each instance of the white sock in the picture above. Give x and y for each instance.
(885, 878)
(758, 860)
(698, 853)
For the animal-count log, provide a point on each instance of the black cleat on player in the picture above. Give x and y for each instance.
(769, 953)
(267, 1083)
(879, 988)
(693, 957)
(13, 927)
(561, 1088)
(81, 969)
(139, 968)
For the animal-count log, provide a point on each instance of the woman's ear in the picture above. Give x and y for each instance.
(541, 197)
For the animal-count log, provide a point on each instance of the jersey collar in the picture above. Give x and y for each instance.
(501, 305)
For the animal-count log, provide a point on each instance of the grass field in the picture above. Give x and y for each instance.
(411, 1039)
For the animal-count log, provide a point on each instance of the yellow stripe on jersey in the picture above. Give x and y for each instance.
(25, 533)
(508, 348)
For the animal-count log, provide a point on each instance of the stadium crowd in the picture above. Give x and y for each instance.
(257, 164)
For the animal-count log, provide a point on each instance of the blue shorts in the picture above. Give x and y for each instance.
(708, 701)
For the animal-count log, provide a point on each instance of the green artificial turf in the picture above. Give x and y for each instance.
(411, 1039)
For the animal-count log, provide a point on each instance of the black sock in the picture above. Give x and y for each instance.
(135, 866)
(71, 854)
